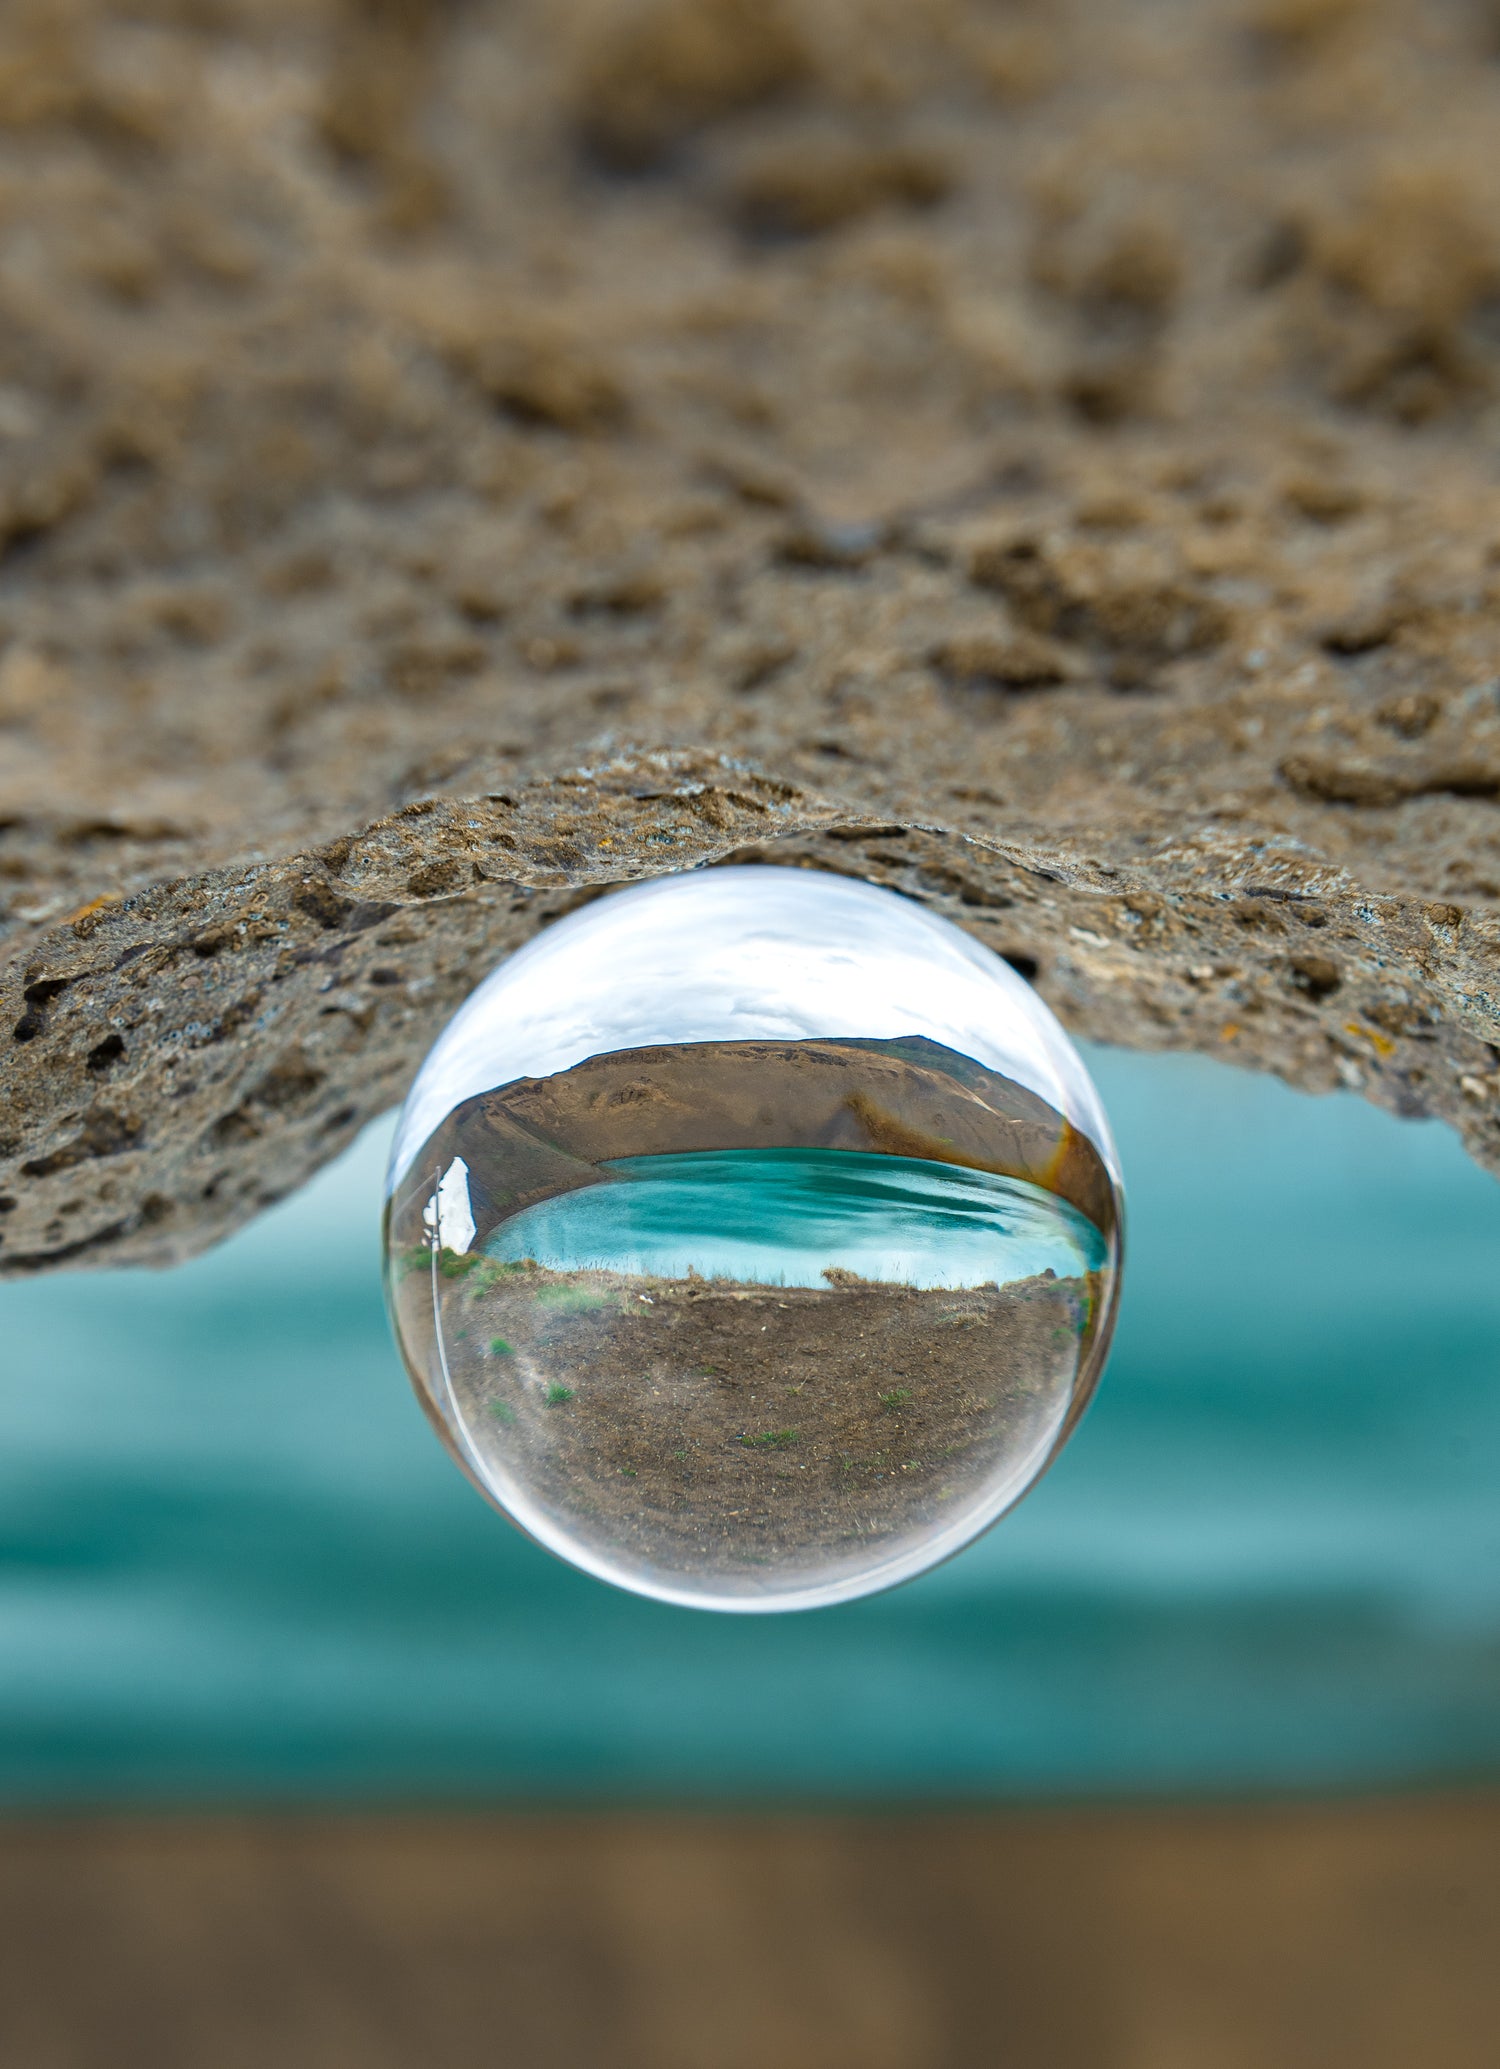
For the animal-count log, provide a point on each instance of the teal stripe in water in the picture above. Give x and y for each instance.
(780, 1217)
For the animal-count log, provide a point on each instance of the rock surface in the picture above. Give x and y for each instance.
(456, 457)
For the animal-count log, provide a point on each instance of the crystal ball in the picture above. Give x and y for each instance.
(752, 1238)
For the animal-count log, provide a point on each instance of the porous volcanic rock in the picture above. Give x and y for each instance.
(458, 457)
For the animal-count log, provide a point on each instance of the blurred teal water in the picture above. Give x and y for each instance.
(234, 1564)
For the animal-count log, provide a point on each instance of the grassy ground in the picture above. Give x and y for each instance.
(700, 1433)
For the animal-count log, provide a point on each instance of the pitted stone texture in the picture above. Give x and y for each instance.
(456, 458)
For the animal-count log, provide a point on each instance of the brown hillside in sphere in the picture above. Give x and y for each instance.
(909, 1098)
(458, 457)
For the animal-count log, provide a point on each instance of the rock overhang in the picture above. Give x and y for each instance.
(546, 455)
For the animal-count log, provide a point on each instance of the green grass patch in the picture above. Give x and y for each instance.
(896, 1398)
(502, 1412)
(489, 1272)
(571, 1298)
(499, 1348)
(557, 1393)
(774, 1440)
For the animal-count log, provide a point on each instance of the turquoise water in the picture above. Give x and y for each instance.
(234, 1565)
(778, 1217)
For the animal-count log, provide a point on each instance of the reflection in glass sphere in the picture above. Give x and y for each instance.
(753, 1238)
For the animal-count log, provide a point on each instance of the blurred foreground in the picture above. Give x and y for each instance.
(1355, 1938)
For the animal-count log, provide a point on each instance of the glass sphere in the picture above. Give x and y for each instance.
(753, 1238)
